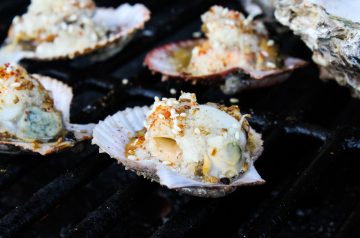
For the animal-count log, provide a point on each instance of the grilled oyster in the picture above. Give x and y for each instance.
(237, 50)
(34, 112)
(66, 29)
(331, 30)
(203, 150)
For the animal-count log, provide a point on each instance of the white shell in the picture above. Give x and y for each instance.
(62, 96)
(129, 19)
(330, 28)
(114, 133)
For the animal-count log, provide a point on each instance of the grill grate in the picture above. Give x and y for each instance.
(312, 142)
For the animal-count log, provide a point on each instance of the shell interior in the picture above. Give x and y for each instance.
(126, 19)
(162, 60)
(62, 96)
(113, 134)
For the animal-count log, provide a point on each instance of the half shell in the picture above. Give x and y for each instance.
(331, 29)
(162, 60)
(62, 96)
(126, 19)
(113, 134)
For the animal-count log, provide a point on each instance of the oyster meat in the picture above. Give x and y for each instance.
(235, 46)
(34, 112)
(203, 150)
(331, 29)
(67, 28)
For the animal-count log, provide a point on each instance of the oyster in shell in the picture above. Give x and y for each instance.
(237, 53)
(65, 29)
(35, 113)
(204, 150)
(331, 30)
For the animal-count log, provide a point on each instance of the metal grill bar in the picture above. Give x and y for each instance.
(350, 228)
(116, 208)
(49, 195)
(272, 219)
(13, 168)
(187, 219)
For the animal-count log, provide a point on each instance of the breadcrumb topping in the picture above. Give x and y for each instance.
(232, 41)
(206, 142)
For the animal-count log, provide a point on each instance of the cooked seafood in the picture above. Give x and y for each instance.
(331, 30)
(204, 150)
(34, 112)
(235, 45)
(68, 28)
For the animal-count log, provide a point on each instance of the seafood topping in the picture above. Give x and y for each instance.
(209, 143)
(68, 28)
(56, 27)
(232, 42)
(26, 109)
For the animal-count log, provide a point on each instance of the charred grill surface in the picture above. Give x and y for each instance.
(311, 158)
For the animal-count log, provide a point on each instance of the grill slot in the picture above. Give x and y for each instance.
(311, 135)
(50, 194)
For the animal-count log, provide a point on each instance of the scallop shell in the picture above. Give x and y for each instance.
(62, 95)
(113, 134)
(160, 60)
(128, 19)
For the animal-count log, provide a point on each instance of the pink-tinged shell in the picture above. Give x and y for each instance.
(62, 95)
(114, 133)
(127, 27)
(160, 60)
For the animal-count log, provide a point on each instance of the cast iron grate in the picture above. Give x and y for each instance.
(310, 162)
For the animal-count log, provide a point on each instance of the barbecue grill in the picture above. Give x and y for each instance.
(310, 162)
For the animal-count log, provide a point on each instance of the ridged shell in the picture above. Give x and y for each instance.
(160, 60)
(62, 96)
(103, 49)
(113, 134)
